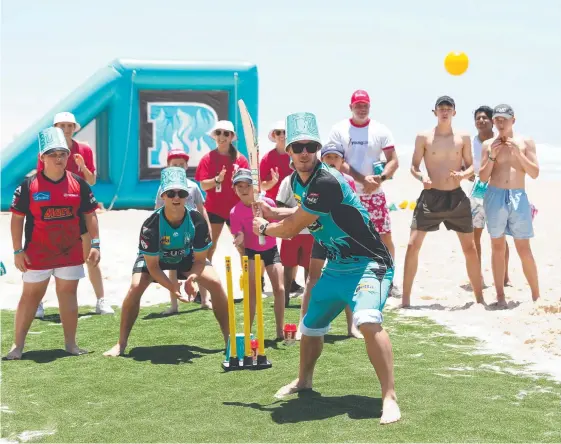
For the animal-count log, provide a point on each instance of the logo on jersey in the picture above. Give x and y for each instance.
(71, 195)
(312, 198)
(298, 200)
(165, 240)
(186, 239)
(174, 253)
(143, 244)
(41, 196)
(175, 234)
(57, 213)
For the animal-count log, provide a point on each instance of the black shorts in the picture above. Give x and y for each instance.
(270, 257)
(181, 267)
(318, 252)
(216, 219)
(434, 207)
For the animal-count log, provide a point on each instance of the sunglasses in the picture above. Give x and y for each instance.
(310, 147)
(182, 194)
(279, 132)
(225, 132)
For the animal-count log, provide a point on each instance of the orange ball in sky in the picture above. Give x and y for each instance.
(456, 63)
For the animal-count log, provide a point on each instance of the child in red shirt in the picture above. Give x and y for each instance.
(247, 243)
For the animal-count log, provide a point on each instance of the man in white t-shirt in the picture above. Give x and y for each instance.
(364, 140)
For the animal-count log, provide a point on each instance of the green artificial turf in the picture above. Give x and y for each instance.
(170, 387)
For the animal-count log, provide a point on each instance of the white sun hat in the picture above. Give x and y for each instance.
(66, 117)
(224, 125)
(280, 125)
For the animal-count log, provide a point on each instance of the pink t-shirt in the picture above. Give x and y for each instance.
(241, 221)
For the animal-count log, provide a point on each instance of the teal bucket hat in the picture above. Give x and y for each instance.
(301, 126)
(173, 178)
(52, 139)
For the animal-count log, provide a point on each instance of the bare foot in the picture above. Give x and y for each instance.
(390, 411)
(207, 305)
(535, 298)
(355, 333)
(298, 335)
(170, 311)
(294, 387)
(117, 350)
(15, 353)
(75, 350)
(507, 283)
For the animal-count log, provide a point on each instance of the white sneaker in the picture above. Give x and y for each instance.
(40, 313)
(103, 307)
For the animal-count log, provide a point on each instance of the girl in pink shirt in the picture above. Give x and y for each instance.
(247, 243)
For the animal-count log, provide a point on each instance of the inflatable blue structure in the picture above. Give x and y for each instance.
(132, 113)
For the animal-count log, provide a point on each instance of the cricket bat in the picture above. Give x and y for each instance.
(252, 144)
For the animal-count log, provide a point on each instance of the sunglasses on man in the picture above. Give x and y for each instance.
(299, 147)
(182, 194)
(279, 132)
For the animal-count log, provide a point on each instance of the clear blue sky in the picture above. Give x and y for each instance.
(310, 56)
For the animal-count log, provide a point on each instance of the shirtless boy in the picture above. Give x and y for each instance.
(442, 200)
(506, 159)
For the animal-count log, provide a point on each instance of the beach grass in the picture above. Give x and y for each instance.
(170, 387)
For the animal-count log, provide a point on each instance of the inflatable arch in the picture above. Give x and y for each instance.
(132, 112)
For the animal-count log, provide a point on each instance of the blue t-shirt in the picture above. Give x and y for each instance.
(172, 244)
(343, 228)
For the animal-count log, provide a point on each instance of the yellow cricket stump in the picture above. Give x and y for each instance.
(247, 363)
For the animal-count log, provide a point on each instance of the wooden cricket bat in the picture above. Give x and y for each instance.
(252, 143)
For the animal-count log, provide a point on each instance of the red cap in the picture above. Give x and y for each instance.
(360, 96)
(175, 153)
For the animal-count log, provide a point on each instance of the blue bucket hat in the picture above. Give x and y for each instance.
(173, 178)
(301, 126)
(52, 139)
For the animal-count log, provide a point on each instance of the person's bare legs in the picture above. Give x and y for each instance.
(210, 280)
(473, 266)
(528, 266)
(351, 327)
(314, 273)
(27, 307)
(215, 229)
(288, 278)
(379, 349)
(174, 307)
(129, 311)
(507, 256)
(477, 232)
(66, 292)
(498, 246)
(275, 274)
(310, 351)
(411, 264)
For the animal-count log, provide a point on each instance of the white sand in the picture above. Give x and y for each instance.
(530, 333)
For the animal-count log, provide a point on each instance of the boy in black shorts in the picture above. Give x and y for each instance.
(172, 238)
(247, 243)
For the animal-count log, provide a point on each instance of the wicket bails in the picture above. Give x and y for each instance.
(246, 363)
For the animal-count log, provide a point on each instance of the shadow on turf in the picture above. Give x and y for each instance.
(44, 356)
(55, 318)
(164, 315)
(170, 354)
(310, 405)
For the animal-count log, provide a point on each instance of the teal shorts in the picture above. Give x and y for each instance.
(364, 288)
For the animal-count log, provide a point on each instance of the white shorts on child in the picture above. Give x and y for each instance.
(73, 273)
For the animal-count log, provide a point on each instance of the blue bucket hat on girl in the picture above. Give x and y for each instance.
(301, 126)
(173, 178)
(52, 139)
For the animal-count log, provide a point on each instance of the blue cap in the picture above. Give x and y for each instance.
(242, 175)
(333, 148)
(301, 126)
(173, 178)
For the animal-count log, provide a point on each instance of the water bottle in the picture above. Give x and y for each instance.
(378, 168)
(2, 269)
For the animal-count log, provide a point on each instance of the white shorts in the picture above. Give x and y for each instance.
(73, 273)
